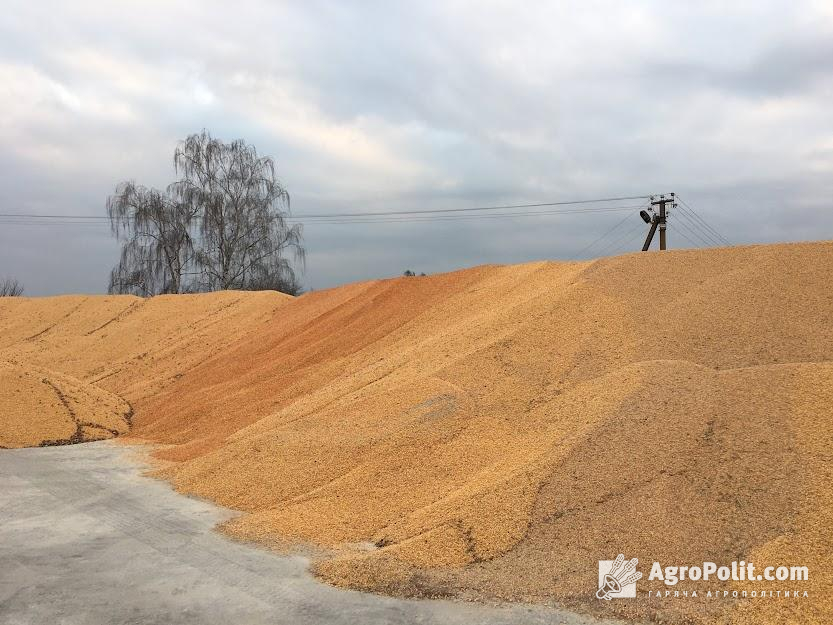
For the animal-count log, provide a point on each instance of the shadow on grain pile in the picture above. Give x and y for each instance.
(496, 431)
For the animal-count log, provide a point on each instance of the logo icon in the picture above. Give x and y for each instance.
(617, 578)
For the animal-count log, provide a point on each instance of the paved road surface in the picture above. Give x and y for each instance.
(85, 540)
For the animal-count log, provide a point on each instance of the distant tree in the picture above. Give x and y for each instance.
(274, 278)
(243, 207)
(10, 287)
(157, 246)
(408, 273)
(222, 225)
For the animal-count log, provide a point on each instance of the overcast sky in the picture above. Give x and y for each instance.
(376, 106)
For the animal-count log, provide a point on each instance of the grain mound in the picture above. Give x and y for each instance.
(495, 432)
(40, 408)
(110, 351)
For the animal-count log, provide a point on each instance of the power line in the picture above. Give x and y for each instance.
(624, 239)
(696, 230)
(709, 228)
(608, 232)
(705, 224)
(356, 220)
(684, 226)
(615, 243)
(630, 243)
(418, 218)
(53, 224)
(592, 243)
(384, 213)
(710, 238)
(707, 237)
(682, 234)
(700, 241)
(37, 216)
(451, 214)
(477, 208)
(587, 206)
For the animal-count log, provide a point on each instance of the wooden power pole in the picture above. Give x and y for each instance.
(658, 221)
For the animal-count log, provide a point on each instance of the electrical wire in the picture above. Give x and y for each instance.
(682, 234)
(478, 208)
(695, 229)
(419, 218)
(386, 213)
(413, 216)
(38, 216)
(589, 246)
(701, 233)
(361, 220)
(615, 243)
(705, 224)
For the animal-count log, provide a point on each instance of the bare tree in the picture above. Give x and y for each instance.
(276, 277)
(244, 233)
(157, 245)
(222, 225)
(10, 287)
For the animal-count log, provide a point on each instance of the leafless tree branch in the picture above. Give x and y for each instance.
(10, 287)
(221, 225)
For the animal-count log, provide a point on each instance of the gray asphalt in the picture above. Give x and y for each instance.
(86, 540)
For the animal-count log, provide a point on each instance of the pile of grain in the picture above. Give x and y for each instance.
(496, 431)
(70, 366)
(40, 408)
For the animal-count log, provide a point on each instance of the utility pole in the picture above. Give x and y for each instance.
(657, 220)
(661, 202)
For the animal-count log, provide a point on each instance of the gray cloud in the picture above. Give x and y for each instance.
(382, 106)
(790, 69)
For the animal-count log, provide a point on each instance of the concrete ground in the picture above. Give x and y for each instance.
(85, 539)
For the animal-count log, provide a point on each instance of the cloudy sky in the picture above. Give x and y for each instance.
(381, 106)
